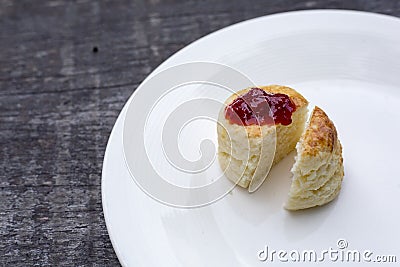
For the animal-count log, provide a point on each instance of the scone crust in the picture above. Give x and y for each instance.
(256, 130)
(297, 98)
(320, 135)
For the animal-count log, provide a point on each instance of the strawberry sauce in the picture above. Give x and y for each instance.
(257, 107)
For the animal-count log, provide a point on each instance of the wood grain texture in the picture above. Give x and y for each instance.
(59, 101)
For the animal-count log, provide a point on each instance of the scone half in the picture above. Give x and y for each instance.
(246, 153)
(318, 171)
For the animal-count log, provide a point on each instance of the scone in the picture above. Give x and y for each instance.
(256, 129)
(318, 171)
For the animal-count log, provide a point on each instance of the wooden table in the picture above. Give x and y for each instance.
(66, 70)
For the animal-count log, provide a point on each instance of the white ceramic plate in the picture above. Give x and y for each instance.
(346, 62)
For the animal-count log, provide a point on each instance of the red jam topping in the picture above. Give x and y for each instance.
(258, 107)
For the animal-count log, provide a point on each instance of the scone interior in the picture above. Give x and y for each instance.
(247, 153)
(318, 171)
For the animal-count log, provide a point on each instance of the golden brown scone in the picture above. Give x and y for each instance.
(318, 171)
(248, 152)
